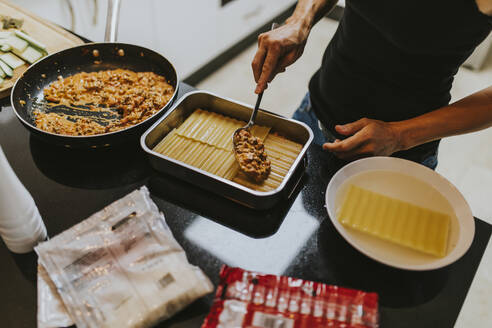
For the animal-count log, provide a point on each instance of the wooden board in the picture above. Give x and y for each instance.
(54, 37)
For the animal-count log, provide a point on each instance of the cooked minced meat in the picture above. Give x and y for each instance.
(251, 156)
(135, 95)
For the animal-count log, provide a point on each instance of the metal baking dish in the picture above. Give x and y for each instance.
(293, 130)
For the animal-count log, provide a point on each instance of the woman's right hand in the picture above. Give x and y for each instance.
(278, 49)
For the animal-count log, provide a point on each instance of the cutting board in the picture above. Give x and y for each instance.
(54, 37)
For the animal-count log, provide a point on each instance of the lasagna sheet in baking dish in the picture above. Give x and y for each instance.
(204, 140)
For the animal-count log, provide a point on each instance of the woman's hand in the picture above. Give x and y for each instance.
(278, 49)
(281, 47)
(366, 137)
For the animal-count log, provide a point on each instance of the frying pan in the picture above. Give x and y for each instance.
(27, 92)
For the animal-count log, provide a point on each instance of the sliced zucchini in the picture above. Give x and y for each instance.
(5, 47)
(5, 34)
(32, 42)
(12, 60)
(18, 44)
(1, 81)
(6, 69)
(2, 73)
(31, 55)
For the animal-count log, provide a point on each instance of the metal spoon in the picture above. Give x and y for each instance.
(253, 115)
(259, 173)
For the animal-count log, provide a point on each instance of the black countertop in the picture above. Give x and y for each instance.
(295, 238)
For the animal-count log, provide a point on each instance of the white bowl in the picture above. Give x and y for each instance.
(410, 182)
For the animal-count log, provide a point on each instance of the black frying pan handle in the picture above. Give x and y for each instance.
(112, 21)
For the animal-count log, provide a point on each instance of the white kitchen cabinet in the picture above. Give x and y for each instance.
(201, 30)
(190, 33)
(57, 11)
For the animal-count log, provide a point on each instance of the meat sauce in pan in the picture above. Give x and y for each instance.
(135, 96)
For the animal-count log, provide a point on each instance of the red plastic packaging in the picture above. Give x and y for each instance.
(249, 299)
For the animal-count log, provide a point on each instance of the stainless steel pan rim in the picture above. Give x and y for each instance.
(40, 62)
(293, 167)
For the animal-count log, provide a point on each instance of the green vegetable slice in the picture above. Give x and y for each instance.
(8, 71)
(18, 45)
(31, 41)
(31, 55)
(5, 47)
(12, 60)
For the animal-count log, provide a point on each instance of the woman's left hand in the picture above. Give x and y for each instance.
(365, 137)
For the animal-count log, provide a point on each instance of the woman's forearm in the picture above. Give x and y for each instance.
(309, 12)
(469, 114)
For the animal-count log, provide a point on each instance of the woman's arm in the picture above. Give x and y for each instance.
(281, 47)
(469, 114)
(367, 137)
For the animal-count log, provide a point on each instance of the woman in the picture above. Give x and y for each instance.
(384, 84)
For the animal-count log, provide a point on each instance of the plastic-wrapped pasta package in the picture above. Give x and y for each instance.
(250, 299)
(52, 313)
(122, 267)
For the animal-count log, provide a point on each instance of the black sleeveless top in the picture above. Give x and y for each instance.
(392, 60)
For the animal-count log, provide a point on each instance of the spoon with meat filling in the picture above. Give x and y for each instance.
(250, 150)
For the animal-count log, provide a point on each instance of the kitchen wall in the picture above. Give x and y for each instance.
(189, 33)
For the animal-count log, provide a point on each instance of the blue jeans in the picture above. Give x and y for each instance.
(306, 114)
